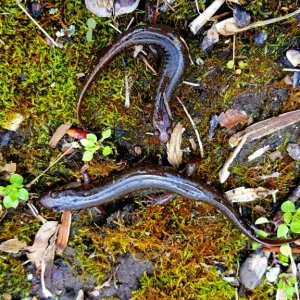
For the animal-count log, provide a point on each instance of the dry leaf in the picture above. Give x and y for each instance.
(77, 133)
(13, 246)
(173, 147)
(63, 232)
(232, 117)
(267, 176)
(9, 168)
(242, 194)
(275, 155)
(59, 133)
(43, 247)
(266, 127)
(227, 27)
(293, 57)
(258, 153)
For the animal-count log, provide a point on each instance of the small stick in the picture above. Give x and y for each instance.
(203, 18)
(115, 28)
(36, 213)
(290, 70)
(191, 83)
(233, 50)
(148, 64)
(2, 42)
(37, 24)
(127, 93)
(194, 127)
(129, 24)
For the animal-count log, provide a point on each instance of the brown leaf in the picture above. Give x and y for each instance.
(43, 247)
(63, 232)
(9, 168)
(59, 133)
(77, 133)
(13, 246)
(266, 127)
(232, 117)
(173, 147)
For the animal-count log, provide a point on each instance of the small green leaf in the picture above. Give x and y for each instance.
(8, 189)
(288, 206)
(282, 230)
(14, 195)
(281, 284)
(91, 23)
(2, 188)
(230, 64)
(261, 233)
(16, 179)
(285, 250)
(91, 137)
(89, 35)
(106, 134)
(87, 156)
(23, 194)
(7, 202)
(255, 246)
(292, 280)
(106, 151)
(261, 220)
(287, 217)
(242, 64)
(283, 259)
(87, 143)
(238, 71)
(289, 291)
(295, 227)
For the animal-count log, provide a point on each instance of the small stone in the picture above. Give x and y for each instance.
(293, 151)
(242, 18)
(272, 274)
(252, 270)
(261, 38)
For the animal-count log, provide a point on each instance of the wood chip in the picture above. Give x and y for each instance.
(13, 246)
(266, 127)
(59, 133)
(258, 153)
(9, 168)
(63, 232)
(174, 146)
(242, 194)
(232, 117)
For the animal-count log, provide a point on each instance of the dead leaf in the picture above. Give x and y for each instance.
(275, 155)
(173, 147)
(77, 133)
(227, 27)
(43, 247)
(266, 127)
(232, 117)
(13, 246)
(242, 194)
(63, 232)
(59, 133)
(9, 168)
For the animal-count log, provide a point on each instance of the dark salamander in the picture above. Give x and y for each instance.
(170, 73)
(150, 177)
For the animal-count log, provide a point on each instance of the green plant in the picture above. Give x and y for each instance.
(91, 23)
(91, 145)
(238, 69)
(14, 192)
(287, 284)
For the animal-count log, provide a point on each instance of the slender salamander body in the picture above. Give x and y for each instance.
(170, 74)
(147, 177)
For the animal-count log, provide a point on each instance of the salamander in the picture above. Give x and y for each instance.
(150, 177)
(175, 53)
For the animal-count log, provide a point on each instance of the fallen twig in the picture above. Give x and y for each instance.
(194, 127)
(203, 18)
(37, 24)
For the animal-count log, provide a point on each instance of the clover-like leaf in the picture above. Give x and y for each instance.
(23, 194)
(91, 137)
(285, 250)
(295, 227)
(282, 230)
(289, 291)
(7, 202)
(288, 206)
(106, 151)
(87, 156)
(106, 134)
(287, 217)
(16, 179)
(261, 220)
(230, 64)
(14, 195)
(91, 23)
(261, 233)
(242, 64)
(87, 143)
